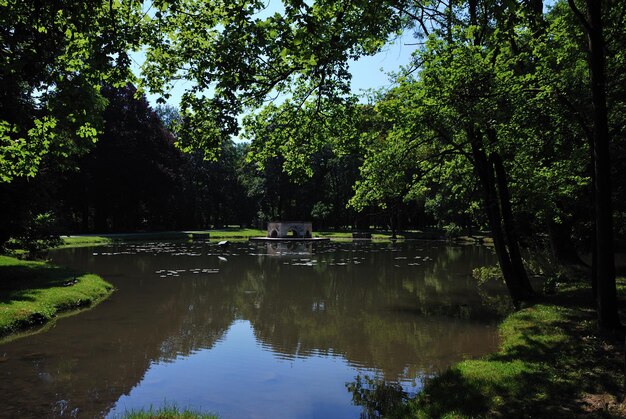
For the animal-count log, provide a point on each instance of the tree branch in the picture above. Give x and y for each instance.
(579, 15)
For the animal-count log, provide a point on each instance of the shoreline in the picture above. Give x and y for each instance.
(551, 360)
(84, 240)
(36, 294)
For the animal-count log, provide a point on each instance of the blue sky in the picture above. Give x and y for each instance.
(367, 72)
(371, 72)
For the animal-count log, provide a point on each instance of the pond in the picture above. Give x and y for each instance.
(254, 330)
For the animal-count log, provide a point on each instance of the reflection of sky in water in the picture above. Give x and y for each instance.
(239, 362)
(252, 330)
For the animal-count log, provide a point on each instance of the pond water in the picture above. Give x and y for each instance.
(253, 330)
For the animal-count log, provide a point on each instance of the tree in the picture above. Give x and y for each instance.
(390, 165)
(55, 55)
(604, 269)
(305, 51)
(481, 63)
(131, 179)
(317, 146)
(169, 116)
(214, 192)
(237, 59)
(461, 81)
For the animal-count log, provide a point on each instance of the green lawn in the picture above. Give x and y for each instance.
(33, 293)
(233, 233)
(346, 234)
(79, 241)
(229, 233)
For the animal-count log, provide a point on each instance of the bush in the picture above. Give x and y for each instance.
(38, 234)
(321, 211)
(486, 273)
(452, 230)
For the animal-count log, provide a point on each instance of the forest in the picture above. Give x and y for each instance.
(509, 121)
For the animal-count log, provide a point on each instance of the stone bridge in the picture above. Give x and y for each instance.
(283, 229)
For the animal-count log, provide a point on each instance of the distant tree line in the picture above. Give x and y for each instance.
(135, 179)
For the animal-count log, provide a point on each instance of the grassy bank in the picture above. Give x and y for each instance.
(101, 239)
(33, 293)
(79, 241)
(167, 412)
(551, 362)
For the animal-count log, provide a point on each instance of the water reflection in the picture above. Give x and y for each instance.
(238, 331)
(379, 398)
(289, 248)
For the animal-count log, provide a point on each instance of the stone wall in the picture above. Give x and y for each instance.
(285, 229)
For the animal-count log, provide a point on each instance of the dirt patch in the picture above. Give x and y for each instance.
(603, 404)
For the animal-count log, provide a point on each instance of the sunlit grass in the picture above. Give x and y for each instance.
(234, 233)
(103, 239)
(167, 412)
(33, 293)
(80, 241)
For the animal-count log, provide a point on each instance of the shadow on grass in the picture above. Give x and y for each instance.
(33, 293)
(552, 362)
(18, 281)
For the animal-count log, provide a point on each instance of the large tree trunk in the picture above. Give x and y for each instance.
(606, 291)
(485, 171)
(594, 247)
(509, 224)
(594, 268)
(393, 220)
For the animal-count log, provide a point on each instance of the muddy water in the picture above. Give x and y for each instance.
(253, 330)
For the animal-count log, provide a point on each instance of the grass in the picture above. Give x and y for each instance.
(79, 241)
(34, 293)
(234, 233)
(552, 362)
(240, 233)
(347, 234)
(223, 234)
(88, 240)
(167, 412)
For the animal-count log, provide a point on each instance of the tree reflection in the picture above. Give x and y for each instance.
(403, 310)
(377, 397)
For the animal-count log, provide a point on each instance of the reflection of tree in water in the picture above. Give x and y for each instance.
(206, 314)
(85, 370)
(489, 283)
(404, 320)
(377, 397)
(376, 305)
